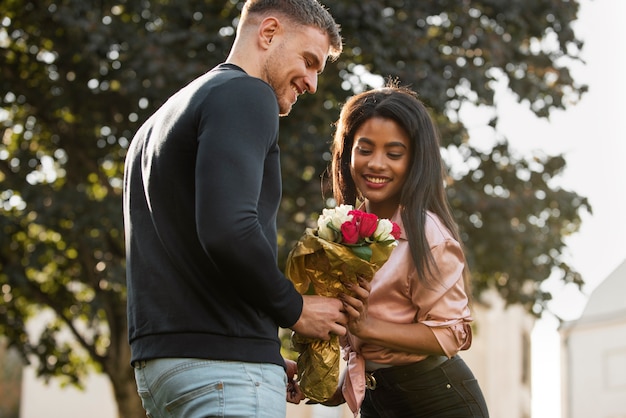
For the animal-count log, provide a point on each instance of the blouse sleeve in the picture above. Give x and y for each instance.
(443, 302)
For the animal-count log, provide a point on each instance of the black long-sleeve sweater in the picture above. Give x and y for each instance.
(202, 188)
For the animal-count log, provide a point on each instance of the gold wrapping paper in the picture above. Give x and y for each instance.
(318, 366)
(325, 266)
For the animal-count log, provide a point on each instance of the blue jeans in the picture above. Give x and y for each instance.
(450, 390)
(195, 388)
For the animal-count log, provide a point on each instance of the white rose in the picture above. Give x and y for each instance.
(329, 222)
(340, 215)
(323, 230)
(383, 230)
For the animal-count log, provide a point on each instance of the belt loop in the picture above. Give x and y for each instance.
(139, 364)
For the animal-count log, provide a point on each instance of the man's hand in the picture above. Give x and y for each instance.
(321, 317)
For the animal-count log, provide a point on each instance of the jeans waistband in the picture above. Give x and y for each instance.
(387, 376)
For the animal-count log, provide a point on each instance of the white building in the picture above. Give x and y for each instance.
(500, 356)
(593, 354)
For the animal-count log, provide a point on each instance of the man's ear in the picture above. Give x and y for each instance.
(268, 29)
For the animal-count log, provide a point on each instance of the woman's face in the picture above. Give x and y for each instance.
(380, 159)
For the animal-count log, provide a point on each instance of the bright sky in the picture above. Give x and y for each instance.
(592, 136)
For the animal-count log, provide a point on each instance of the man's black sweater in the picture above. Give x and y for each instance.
(202, 188)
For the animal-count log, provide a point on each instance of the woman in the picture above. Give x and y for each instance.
(403, 347)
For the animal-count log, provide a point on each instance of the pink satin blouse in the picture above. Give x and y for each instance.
(398, 296)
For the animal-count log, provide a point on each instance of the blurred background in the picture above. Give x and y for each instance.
(527, 95)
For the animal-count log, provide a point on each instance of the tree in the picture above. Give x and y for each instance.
(78, 77)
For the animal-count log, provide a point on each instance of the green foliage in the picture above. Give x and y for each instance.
(77, 78)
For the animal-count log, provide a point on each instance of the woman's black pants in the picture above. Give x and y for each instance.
(450, 390)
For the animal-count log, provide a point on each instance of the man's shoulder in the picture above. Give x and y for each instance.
(225, 72)
(228, 79)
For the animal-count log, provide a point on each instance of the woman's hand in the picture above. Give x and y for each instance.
(355, 305)
(294, 393)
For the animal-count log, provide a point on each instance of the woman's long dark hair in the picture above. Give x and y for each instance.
(424, 189)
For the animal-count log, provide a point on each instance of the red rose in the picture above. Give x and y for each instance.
(368, 224)
(350, 231)
(395, 232)
(356, 215)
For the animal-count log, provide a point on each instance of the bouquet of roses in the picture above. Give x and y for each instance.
(347, 244)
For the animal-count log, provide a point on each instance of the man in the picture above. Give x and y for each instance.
(201, 191)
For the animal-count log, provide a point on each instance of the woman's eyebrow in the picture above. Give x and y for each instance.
(387, 145)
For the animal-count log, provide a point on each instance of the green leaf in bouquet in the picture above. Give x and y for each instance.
(362, 251)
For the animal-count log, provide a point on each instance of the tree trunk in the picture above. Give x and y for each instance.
(11, 367)
(125, 391)
(117, 366)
